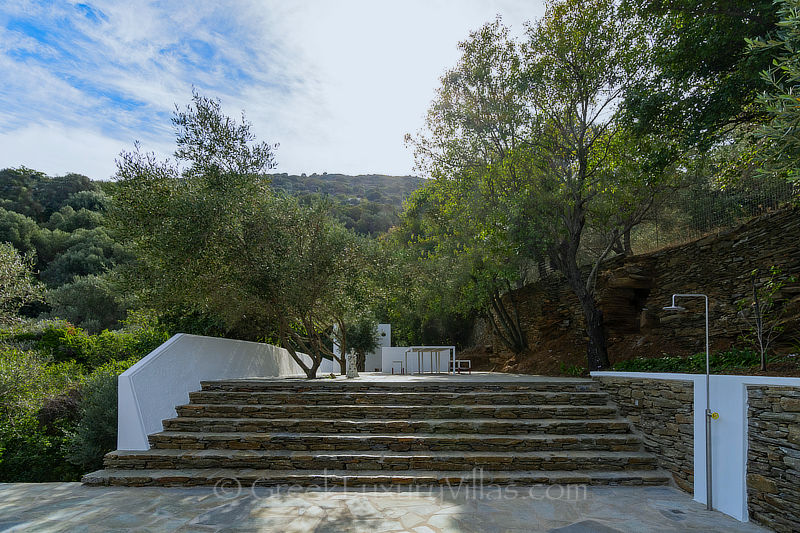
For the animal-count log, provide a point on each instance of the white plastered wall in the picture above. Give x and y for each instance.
(150, 390)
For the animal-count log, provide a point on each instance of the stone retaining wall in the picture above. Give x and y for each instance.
(773, 456)
(632, 291)
(662, 411)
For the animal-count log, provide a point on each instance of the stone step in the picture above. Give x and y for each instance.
(401, 426)
(346, 397)
(396, 411)
(400, 443)
(348, 460)
(230, 481)
(422, 384)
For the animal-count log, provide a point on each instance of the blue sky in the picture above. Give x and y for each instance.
(337, 84)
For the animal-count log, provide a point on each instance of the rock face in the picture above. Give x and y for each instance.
(661, 411)
(346, 432)
(773, 456)
(632, 292)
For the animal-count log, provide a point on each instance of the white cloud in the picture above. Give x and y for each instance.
(337, 84)
(56, 150)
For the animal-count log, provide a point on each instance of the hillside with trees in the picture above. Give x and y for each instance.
(368, 204)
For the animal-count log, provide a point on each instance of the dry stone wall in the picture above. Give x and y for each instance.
(662, 412)
(773, 456)
(632, 292)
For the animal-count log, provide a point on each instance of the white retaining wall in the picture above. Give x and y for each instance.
(728, 434)
(150, 390)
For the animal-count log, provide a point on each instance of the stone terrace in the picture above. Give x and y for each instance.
(398, 430)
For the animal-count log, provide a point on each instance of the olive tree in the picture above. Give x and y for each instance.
(212, 237)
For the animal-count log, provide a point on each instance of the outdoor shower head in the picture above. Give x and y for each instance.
(674, 308)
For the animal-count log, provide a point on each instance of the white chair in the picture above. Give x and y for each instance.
(461, 365)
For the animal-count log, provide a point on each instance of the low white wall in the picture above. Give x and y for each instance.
(150, 390)
(728, 434)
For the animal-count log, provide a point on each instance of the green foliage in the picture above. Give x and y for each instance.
(362, 338)
(763, 312)
(700, 79)
(55, 412)
(214, 238)
(390, 190)
(18, 191)
(96, 433)
(60, 341)
(92, 200)
(195, 322)
(19, 230)
(28, 451)
(38, 196)
(780, 100)
(17, 286)
(573, 370)
(720, 362)
(61, 220)
(68, 219)
(80, 253)
(93, 302)
(529, 162)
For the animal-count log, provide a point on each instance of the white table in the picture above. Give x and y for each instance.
(435, 353)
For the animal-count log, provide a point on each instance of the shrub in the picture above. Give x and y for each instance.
(88, 301)
(54, 422)
(734, 358)
(96, 433)
(17, 285)
(30, 451)
(63, 342)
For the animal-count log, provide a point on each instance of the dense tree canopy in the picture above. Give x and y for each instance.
(701, 81)
(526, 154)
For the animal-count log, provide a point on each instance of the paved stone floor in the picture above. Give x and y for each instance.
(75, 508)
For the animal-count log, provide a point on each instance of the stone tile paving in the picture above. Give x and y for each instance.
(73, 507)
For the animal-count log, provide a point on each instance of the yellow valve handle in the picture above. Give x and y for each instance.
(715, 415)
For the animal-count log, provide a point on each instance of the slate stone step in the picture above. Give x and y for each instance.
(349, 460)
(396, 411)
(400, 443)
(230, 481)
(439, 427)
(401, 426)
(426, 384)
(314, 398)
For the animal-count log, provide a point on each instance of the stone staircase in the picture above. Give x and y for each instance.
(359, 433)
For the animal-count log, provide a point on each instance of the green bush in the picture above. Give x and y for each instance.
(64, 342)
(55, 422)
(90, 302)
(734, 358)
(30, 450)
(96, 433)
